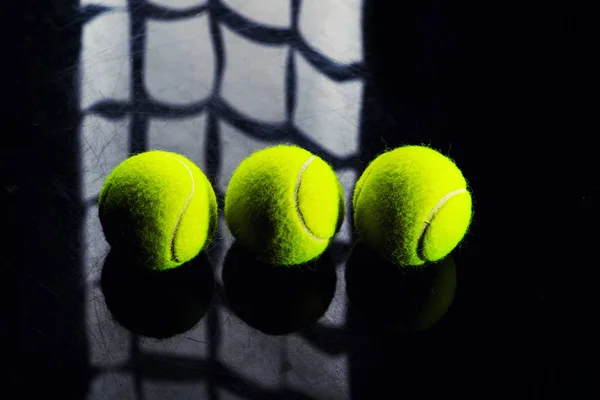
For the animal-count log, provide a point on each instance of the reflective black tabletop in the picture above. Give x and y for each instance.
(507, 93)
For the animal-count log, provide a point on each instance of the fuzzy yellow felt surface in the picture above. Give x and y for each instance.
(412, 205)
(159, 205)
(284, 204)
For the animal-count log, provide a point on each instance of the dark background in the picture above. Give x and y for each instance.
(513, 89)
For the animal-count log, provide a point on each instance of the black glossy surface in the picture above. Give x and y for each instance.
(509, 91)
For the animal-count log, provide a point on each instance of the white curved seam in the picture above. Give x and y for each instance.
(298, 181)
(437, 207)
(187, 202)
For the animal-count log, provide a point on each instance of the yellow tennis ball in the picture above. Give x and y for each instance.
(412, 205)
(284, 204)
(159, 205)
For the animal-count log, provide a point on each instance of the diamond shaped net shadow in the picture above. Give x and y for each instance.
(141, 108)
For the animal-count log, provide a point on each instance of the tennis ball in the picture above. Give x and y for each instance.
(284, 204)
(412, 206)
(159, 205)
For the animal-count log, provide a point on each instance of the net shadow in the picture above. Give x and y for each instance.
(141, 108)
